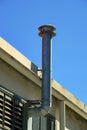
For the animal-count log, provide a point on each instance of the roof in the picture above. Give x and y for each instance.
(29, 69)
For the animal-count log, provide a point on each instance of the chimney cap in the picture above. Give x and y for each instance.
(47, 29)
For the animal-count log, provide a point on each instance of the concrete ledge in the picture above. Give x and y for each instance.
(5, 46)
(11, 51)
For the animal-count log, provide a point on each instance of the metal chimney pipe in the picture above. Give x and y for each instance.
(46, 32)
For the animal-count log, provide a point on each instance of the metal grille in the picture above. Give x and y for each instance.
(11, 112)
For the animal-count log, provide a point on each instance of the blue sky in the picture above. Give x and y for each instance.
(19, 20)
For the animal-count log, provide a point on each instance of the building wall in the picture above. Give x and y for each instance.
(74, 121)
(17, 83)
(21, 85)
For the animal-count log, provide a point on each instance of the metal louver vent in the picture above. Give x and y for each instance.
(11, 112)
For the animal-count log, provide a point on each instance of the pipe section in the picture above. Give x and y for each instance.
(46, 32)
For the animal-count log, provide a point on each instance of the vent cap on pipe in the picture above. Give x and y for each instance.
(49, 29)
